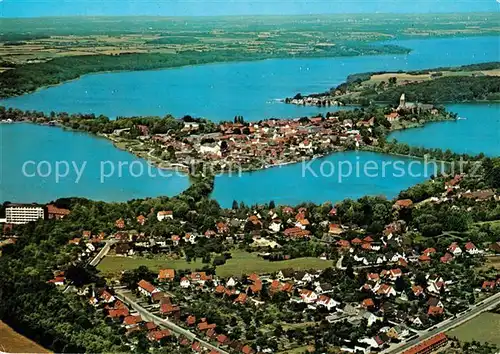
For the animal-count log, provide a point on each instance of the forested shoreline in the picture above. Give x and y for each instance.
(30, 77)
(468, 83)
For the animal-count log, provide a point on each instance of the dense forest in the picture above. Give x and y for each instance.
(448, 84)
(446, 89)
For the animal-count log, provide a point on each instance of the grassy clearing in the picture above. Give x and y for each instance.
(241, 263)
(492, 262)
(13, 342)
(483, 328)
(424, 77)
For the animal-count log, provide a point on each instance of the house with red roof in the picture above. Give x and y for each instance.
(222, 339)
(403, 204)
(447, 258)
(117, 313)
(471, 249)
(120, 223)
(395, 273)
(56, 213)
(164, 214)
(417, 290)
(344, 245)
(455, 249)
(356, 242)
(146, 288)
(204, 325)
(241, 299)
(158, 335)
(368, 304)
(130, 321)
(335, 229)
(170, 310)
(247, 350)
(191, 320)
(308, 296)
(166, 275)
(488, 285)
(141, 220)
(435, 311)
(429, 345)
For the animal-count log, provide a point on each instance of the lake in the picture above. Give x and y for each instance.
(220, 91)
(251, 89)
(477, 130)
(331, 178)
(43, 149)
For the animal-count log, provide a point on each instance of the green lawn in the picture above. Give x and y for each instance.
(483, 328)
(241, 263)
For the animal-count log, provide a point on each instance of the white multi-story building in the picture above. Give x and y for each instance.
(23, 213)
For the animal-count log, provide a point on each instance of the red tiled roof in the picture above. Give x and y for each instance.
(191, 320)
(470, 246)
(242, 298)
(367, 303)
(131, 320)
(166, 274)
(247, 349)
(150, 326)
(146, 286)
(404, 203)
(114, 313)
(168, 309)
(158, 335)
(52, 209)
(424, 346)
(296, 232)
(435, 310)
(221, 338)
(203, 326)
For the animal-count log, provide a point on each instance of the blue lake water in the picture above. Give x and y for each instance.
(23, 142)
(221, 91)
(331, 178)
(477, 130)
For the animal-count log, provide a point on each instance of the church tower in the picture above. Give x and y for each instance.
(402, 101)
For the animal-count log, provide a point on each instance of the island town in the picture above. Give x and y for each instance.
(237, 146)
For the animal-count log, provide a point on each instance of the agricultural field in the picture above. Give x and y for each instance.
(241, 263)
(32, 41)
(492, 262)
(483, 328)
(13, 342)
(408, 77)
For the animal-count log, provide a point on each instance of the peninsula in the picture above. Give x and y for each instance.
(469, 83)
(193, 144)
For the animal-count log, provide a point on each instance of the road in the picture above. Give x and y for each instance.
(145, 314)
(102, 253)
(448, 324)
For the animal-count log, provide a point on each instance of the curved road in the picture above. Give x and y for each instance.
(158, 320)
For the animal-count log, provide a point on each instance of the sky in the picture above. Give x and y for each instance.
(35, 8)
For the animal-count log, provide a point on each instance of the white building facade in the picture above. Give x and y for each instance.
(22, 214)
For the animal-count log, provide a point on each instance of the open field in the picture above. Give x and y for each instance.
(401, 77)
(484, 328)
(241, 263)
(492, 262)
(32, 40)
(13, 342)
(62, 49)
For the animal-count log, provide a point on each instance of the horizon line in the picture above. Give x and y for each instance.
(259, 15)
